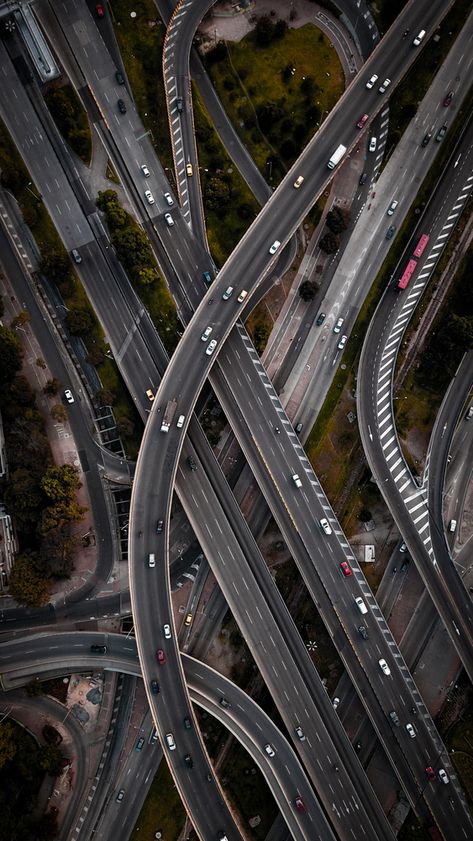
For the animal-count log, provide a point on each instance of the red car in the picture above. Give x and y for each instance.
(362, 121)
(448, 99)
(99, 10)
(430, 773)
(161, 656)
(346, 569)
(300, 803)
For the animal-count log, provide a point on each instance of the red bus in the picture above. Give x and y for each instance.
(421, 245)
(408, 272)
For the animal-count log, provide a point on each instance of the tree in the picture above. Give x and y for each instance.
(308, 87)
(8, 742)
(56, 551)
(104, 397)
(280, 29)
(125, 426)
(329, 243)
(23, 496)
(22, 318)
(2, 306)
(52, 387)
(61, 483)
(10, 354)
(338, 219)
(79, 322)
(59, 412)
(28, 584)
(308, 290)
(46, 828)
(33, 688)
(217, 194)
(264, 31)
(55, 264)
(51, 759)
(95, 356)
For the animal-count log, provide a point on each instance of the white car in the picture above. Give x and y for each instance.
(444, 776)
(382, 88)
(298, 182)
(300, 733)
(145, 170)
(149, 197)
(274, 246)
(452, 525)
(242, 296)
(372, 146)
(167, 632)
(342, 342)
(392, 207)
(296, 480)
(269, 749)
(170, 741)
(335, 703)
(326, 526)
(68, 395)
(338, 325)
(411, 731)
(211, 347)
(384, 667)
(205, 335)
(228, 293)
(372, 81)
(168, 199)
(169, 219)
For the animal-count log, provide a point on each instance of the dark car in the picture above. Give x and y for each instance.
(154, 687)
(320, 319)
(300, 803)
(187, 723)
(188, 760)
(179, 104)
(120, 795)
(358, 746)
(405, 565)
(121, 106)
(361, 122)
(431, 773)
(207, 278)
(363, 178)
(161, 656)
(363, 632)
(448, 99)
(390, 232)
(140, 743)
(299, 427)
(120, 77)
(224, 702)
(191, 463)
(426, 138)
(98, 649)
(441, 133)
(99, 10)
(159, 526)
(346, 569)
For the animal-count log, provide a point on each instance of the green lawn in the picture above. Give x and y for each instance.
(253, 78)
(162, 809)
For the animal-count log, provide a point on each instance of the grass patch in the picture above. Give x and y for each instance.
(403, 105)
(229, 204)
(141, 46)
(248, 790)
(111, 174)
(275, 112)
(71, 118)
(162, 809)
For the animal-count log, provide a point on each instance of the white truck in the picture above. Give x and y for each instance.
(337, 156)
(169, 413)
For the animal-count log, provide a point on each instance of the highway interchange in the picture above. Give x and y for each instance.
(254, 410)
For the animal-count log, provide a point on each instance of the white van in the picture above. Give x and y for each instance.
(361, 605)
(180, 421)
(419, 38)
(151, 560)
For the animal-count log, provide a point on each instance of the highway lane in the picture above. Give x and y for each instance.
(401, 492)
(67, 651)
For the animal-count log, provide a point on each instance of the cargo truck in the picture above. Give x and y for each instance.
(168, 415)
(337, 156)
